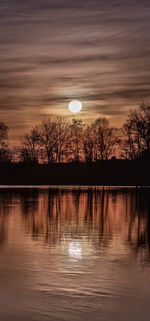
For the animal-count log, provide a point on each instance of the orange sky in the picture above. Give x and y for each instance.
(56, 51)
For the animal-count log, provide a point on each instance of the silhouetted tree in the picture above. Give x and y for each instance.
(137, 131)
(5, 154)
(76, 130)
(63, 138)
(104, 139)
(56, 140)
(47, 140)
(61, 141)
(29, 153)
(121, 149)
(89, 144)
(3, 134)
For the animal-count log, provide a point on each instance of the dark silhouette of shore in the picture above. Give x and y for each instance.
(110, 173)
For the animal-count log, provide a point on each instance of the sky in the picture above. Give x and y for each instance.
(53, 51)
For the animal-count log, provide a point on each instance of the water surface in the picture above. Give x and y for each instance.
(74, 254)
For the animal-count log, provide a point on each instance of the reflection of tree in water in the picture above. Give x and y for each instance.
(6, 201)
(3, 224)
(29, 202)
(9, 198)
(139, 220)
(65, 214)
(97, 215)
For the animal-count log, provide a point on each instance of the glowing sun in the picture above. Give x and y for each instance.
(75, 106)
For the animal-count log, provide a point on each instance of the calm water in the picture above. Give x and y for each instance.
(74, 254)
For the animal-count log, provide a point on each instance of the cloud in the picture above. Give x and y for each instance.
(53, 51)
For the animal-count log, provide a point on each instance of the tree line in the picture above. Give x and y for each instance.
(58, 140)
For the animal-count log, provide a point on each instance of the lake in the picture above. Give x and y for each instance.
(74, 254)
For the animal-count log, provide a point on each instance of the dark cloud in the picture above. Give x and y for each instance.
(52, 51)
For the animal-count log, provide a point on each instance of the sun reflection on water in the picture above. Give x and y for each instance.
(75, 250)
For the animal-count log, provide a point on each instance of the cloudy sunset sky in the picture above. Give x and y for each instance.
(53, 51)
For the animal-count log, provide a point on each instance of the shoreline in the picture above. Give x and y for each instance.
(102, 174)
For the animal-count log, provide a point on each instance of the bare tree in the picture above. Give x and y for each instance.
(47, 140)
(29, 152)
(63, 137)
(5, 154)
(89, 144)
(137, 131)
(76, 130)
(3, 134)
(105, 139)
